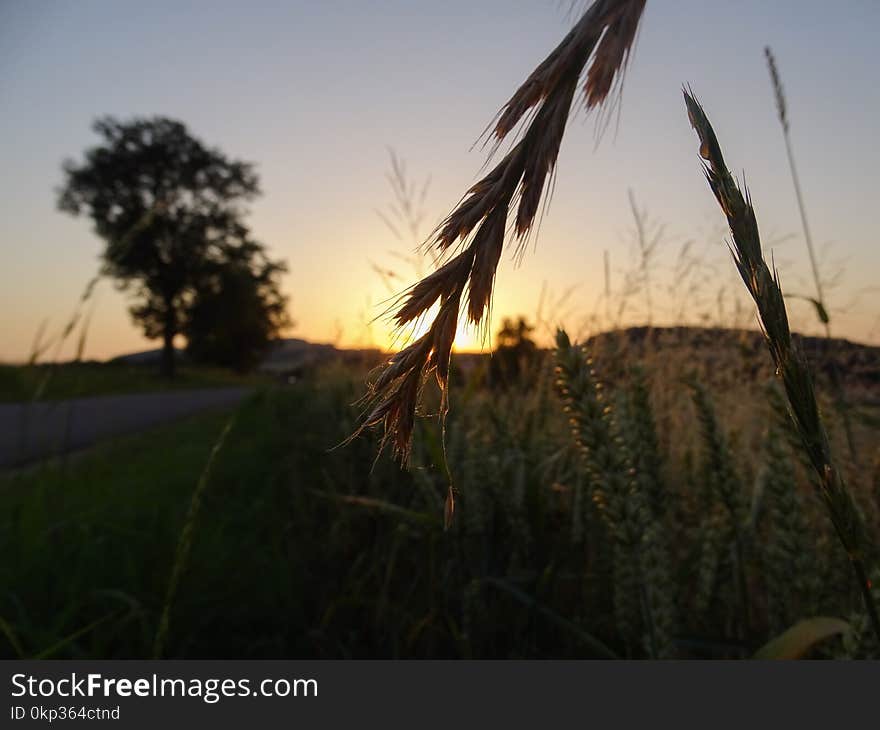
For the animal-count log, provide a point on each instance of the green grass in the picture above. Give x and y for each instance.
(95, 542)
(95, 539)
(72, 380)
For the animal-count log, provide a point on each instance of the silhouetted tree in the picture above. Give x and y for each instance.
(237, 312)
(515, 352)
(167, 206)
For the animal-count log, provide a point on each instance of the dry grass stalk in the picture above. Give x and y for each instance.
(782, 112)
(477, 228)
(764, 287)
(819, 303)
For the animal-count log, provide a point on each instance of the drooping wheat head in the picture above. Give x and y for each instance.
(472, 237)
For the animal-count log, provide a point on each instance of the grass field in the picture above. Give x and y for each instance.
(75, 380)
(303, 551)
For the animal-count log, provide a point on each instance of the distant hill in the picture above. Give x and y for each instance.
(740, 352)
(719, 355)
(146, 357)
(294, 354)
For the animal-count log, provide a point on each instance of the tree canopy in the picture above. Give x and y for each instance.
(170, 210)
(515, 352)
(237, 311)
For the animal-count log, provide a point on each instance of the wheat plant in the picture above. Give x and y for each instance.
(643, 600)
(765, 289)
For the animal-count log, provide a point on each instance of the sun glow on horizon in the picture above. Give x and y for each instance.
(468, 338)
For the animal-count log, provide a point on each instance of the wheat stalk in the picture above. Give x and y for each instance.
(764, 287)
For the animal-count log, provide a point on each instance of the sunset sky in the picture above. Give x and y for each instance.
(315, 93)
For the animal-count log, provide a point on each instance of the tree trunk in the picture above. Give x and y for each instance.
(167, 363)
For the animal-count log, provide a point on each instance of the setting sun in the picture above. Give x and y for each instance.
(468, 338)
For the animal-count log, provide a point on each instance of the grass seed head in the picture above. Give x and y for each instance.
(478, 224)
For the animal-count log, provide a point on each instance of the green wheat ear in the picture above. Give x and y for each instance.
(644, 443)
(642, 587)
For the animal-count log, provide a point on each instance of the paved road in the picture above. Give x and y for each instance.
(32, 431)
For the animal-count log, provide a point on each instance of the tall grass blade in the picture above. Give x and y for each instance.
(184, 545)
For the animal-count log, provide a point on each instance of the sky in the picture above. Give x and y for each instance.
(316, 93)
